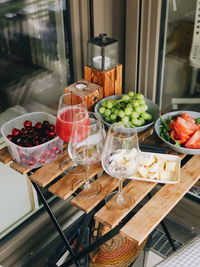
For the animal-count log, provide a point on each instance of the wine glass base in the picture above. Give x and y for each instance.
(74, 169)
(88, 189)
(115, 202)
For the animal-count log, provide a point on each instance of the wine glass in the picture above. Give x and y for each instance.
(119, 160)
(86, 146)
(69, 105)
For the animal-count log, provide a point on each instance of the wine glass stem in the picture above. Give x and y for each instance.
(87, 182)
(120, 194)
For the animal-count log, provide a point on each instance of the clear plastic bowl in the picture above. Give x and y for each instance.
(32, 157)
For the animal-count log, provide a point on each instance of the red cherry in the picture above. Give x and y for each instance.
(20, 152)
(52, 127)
(36, 143)
(45, 124)
(29, 144)
(10, 137)
(51, 134)
(55, 148)
(16, 132)
(27, 124)
(24, 131)
(48, 153)
(44, 140)
(31, 162)
(53, 155)
(42, 161)
(38, 125)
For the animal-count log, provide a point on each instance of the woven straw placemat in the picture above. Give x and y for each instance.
(117, 252)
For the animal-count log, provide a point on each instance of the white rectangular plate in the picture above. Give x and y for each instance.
(165, 157)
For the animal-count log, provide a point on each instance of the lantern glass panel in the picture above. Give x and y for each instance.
(102, 53)
(111, 56)
(93, 52)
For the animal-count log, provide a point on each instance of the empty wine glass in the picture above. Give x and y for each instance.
(119, 160)
(69, 105)
(86, 146)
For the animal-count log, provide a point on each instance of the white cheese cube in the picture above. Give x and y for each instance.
(166, 175)
(143, 171)
(170, 166)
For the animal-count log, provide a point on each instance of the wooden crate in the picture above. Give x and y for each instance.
(92, 92)
(110, 80)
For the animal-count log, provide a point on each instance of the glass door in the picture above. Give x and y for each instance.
(34, 57)
(35, 67)
(178, 77)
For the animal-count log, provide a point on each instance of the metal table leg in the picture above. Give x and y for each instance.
(54, 220)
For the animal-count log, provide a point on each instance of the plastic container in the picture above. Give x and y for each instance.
(32, 157)
(166, 157)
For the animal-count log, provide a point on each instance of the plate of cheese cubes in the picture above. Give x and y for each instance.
(159, 168)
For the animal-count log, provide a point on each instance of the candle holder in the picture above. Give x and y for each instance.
(103, 68)
(91, 92)
(102, 52)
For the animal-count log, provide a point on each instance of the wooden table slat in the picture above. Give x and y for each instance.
(64, 187)
(138, 189)
(108, 184)
(5, 156)
(49, 172)
(143, 223)
(19, 168)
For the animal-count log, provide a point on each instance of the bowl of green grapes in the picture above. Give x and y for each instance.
(132, 109)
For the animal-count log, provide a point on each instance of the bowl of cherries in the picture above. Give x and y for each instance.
(32, 140)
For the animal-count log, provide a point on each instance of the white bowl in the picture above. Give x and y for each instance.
(153, 109)
(36, 156)
(181, 150)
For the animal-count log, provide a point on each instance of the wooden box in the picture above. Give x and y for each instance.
(110, 80)
(91, 91)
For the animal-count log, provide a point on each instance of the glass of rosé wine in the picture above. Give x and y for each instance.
(70, 104)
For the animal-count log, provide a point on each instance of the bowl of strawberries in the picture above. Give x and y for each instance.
(180, 130)
(31, 139)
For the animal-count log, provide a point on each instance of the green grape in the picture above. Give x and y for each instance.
(134, 115)
(138, 109)
(146, 116)
(128, 111)
(131, 94)
(141, 120)
(139, 96)
(107, 112)
(135, 103)
(102, 110)
(113, 117)
(144, 107)
(136, 122)
(121, 113)
(125, 97)
(113, 110)
(129, 105)
(104, 103)
(107, 119)
(125, 119)
(141, 101)
(116, 112)
(109, 104)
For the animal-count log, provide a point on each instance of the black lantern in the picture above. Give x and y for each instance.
(102, 52)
